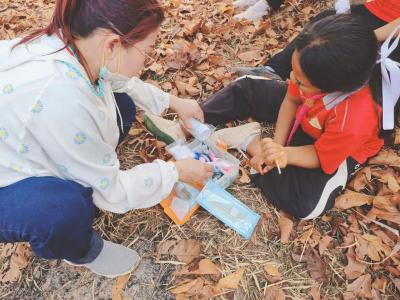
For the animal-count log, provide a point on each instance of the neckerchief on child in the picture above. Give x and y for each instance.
(330, 101)
(390, 79)
(301, 113)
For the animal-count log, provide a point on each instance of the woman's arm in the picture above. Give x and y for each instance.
(287, 114)
(382, 33)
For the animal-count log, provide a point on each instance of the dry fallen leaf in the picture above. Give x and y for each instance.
(202, 267)
(384, 203)
(397, 136)
(193, 286)
(361, 179)
(272, 269)
(285, 226)
(352, 199)
(376, 249)
(250, 55)
(380, 284)
(315, 294)
(19, 256)
(274, 293)
(392, 184)
(215, 59)
(324, 244)
(184, 250)
(311, 237)
(231, 281)
(396, 282)
(384, 215)
(164, 247)
(315, 265)
(361, 287)
(387, 157)
(118, 287)
(354, 268)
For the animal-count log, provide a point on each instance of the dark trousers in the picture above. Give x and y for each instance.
(301, 192)
(54, 215)
(282, 61)
(275, 4)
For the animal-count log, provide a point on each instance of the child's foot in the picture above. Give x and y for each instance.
(237, 137)
(244, 3)
(112, 261)
(264, 71)
(255, 12)
(165, 130)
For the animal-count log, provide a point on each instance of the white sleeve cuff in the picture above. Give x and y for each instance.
(147, 185)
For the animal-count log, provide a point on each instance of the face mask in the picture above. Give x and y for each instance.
(109, 82)
(116, 80)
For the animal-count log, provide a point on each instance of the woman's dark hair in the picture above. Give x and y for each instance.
(337, 53)
(133, 20)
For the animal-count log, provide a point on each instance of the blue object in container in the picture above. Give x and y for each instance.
(226, 208)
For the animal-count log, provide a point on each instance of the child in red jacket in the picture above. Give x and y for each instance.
(328, 116)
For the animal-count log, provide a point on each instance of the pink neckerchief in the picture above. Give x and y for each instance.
(301, 113)
(308, 102)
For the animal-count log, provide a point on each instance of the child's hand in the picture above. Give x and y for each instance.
(274, 153)
(258, 164)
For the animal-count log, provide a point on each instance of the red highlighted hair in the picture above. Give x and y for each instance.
(132, 20)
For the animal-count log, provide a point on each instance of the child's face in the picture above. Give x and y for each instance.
(299, 78)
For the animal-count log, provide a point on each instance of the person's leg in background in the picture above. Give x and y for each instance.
(279, 65)
(256, 8)
(248, 96)
(257, 97)
(127, 109)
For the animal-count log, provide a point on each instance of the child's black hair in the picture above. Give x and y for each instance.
(339, 53)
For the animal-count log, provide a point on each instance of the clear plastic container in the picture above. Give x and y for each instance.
(199, 130)
(181, 203)
(227, 179)
(179, 150)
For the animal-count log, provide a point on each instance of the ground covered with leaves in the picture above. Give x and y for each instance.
(351, 252)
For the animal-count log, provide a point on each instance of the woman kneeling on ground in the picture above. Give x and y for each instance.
(60, 123)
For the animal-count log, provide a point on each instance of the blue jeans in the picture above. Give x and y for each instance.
(54, 215)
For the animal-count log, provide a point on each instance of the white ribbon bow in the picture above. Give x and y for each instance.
(390, 80)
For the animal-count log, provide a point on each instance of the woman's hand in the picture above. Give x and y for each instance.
(273, 153)
(193, 171)
(187, 109)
